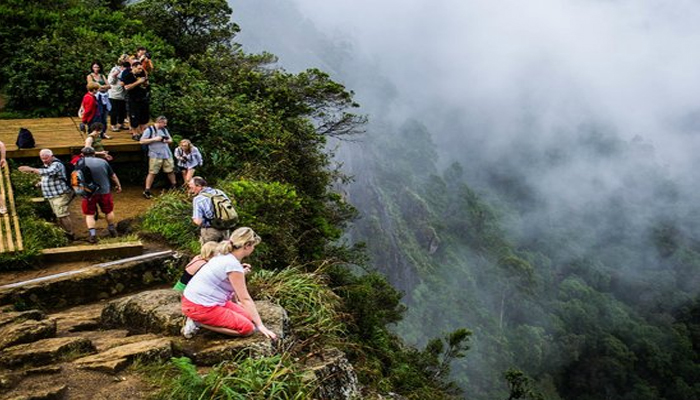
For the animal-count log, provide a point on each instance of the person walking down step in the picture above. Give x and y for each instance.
(104, 176)
(55, 188)
(157, 138)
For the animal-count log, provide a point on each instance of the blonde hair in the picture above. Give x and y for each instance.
(208, 250)
(93, 86)
(241, 237)
(186, 142)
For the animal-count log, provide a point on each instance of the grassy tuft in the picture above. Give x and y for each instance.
(170, 217)
(313, 308)
(240, 379)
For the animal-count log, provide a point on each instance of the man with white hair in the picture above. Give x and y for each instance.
(55, 188)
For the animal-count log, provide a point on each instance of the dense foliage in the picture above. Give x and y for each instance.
(598, 303)
(263, 132)
(36, 231)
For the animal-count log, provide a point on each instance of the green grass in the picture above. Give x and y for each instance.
(240, 379)
(312, 306)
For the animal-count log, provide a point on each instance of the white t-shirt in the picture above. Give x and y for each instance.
(210, 285)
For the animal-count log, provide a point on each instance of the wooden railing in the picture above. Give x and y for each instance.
(10, 234)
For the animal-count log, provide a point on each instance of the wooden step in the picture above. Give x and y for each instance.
(92, 252)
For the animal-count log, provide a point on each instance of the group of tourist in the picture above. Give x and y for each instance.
(213, 285)
(125, 92)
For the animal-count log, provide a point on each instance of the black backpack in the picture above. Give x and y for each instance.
(81, 180)
(25, 139)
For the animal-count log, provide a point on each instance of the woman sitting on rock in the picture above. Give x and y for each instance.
(206, 301)
(206, 253)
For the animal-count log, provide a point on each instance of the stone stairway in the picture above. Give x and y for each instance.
(73, 335)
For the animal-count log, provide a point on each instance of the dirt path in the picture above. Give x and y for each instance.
(128, 204)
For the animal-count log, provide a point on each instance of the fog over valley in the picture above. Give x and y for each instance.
(526, 166)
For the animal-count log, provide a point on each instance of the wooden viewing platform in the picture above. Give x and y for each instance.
(62, 136)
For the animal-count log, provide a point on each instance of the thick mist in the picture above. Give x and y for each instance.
(582, 115)
(552, 90)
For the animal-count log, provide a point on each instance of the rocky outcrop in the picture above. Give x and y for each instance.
(158, 311)
(117, 358)
(335, 376)
(155, 311)
(26, 332)
(45, 351)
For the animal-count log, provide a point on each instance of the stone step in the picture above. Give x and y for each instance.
(44, 352)
(120, 357)
(90, 284)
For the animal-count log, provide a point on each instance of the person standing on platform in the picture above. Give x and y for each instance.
(157, 138)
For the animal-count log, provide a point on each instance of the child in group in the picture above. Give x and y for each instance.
(207, 251)
(94, 140)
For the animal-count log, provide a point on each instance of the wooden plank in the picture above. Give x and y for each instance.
(93, 251)
(5, 226)
(61, 135)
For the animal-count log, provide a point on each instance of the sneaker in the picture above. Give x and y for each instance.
(92, 239)
(147, 194)
(112, 232)
(3, 210)
(190, 328)
(115, 128)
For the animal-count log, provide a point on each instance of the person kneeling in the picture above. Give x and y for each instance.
(206, 301)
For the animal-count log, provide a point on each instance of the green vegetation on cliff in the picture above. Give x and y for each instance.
(263, 133)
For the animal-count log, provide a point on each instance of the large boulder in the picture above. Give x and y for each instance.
(154, 311)
(158, 311)
(334, 374)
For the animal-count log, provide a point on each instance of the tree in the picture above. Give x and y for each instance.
(191, 26)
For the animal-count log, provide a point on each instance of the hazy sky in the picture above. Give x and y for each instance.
(631, 65)
(516, 81)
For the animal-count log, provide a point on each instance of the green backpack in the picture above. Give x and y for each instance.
(225, 216)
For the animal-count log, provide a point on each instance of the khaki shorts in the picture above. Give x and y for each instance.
(60, 204)
(212, 235)
(156, 164)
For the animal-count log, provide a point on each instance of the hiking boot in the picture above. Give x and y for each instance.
(112, 232)
(92, 239)
(190, 328)
(97, 215)
(147, 194)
